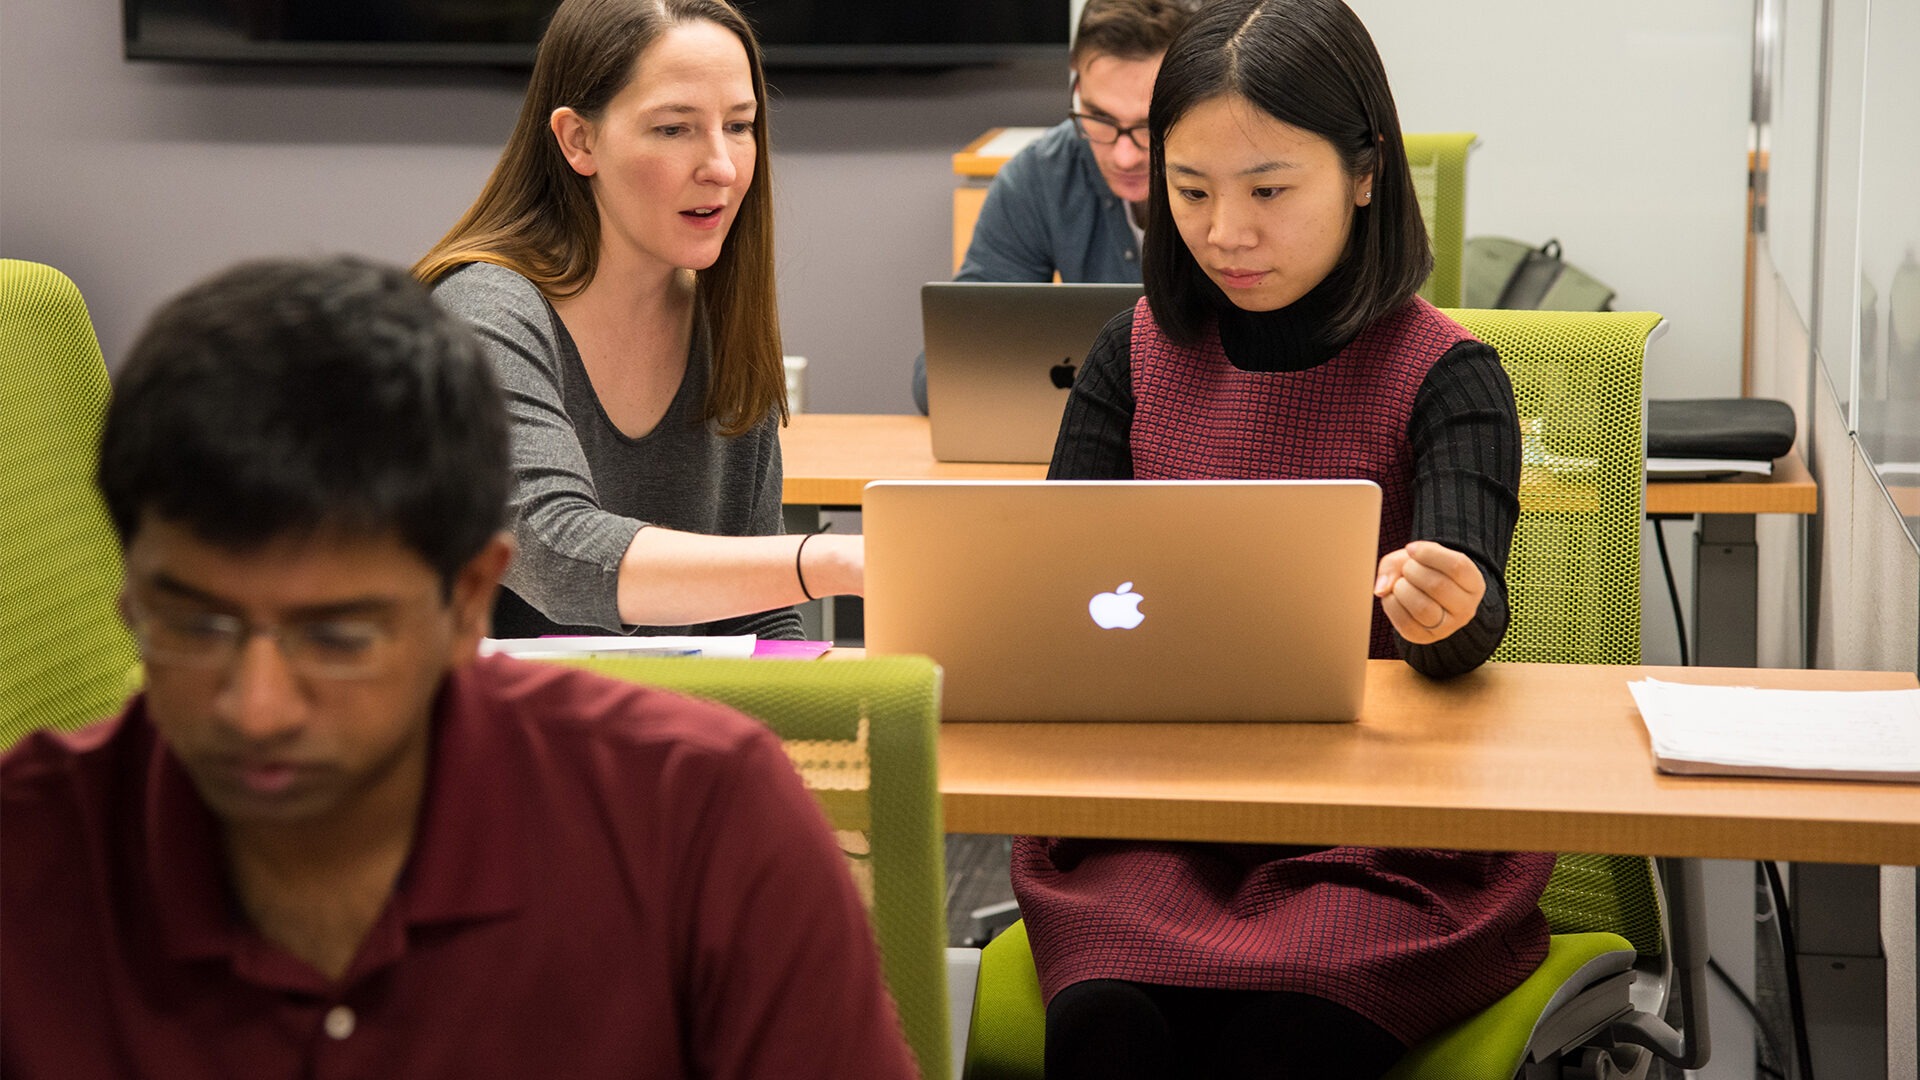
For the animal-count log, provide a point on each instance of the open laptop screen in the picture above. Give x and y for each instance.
(1001, 358)
(1128, 600)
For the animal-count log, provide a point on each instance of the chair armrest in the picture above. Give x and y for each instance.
(963, 976)
(1689, 1047)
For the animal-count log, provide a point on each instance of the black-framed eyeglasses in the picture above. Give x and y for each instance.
(1104, 132)
(320, 648)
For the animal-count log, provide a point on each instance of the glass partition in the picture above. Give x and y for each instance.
(1837, 96)
(1887, 412)
(1845, 301)
(1791, 142)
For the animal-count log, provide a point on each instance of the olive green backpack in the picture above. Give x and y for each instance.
(1503, 273)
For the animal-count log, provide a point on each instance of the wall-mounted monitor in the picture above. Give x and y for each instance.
(794, 33)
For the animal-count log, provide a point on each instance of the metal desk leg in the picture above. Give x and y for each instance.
(1843, 975)
(1726, 591)
(1728, 906)
(816, 618)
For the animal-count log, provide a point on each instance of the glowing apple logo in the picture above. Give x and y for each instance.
(1116, 610)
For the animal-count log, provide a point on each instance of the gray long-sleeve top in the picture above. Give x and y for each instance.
(582, 489)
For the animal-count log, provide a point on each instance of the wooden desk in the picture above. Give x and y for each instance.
(1513, 756)
(1905, 499)
(981, 159)
(828, 458)
(1790, 490)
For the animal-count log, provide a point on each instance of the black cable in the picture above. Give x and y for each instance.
(1783, 919)
(1673, 590)
(1759, 1023)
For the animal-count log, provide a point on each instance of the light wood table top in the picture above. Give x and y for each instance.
(1790, 490)
(976, 159)
(1546, 757)
(829, 457)
(1905, 499)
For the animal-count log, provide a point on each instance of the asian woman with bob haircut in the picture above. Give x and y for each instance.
(1281, 337)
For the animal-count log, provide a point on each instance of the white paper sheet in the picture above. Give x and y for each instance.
(738, 646)
(1691, 466)
(1832, 734)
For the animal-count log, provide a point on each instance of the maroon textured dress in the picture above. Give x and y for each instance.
(1411, 939)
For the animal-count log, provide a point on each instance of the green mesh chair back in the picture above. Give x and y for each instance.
(1611, 893)
(863, 735)
(1438, 163)
(65, 656)
(1573, 577)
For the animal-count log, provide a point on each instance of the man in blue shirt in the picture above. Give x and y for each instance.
(1073, 201)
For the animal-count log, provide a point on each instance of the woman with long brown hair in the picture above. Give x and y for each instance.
(618, 267)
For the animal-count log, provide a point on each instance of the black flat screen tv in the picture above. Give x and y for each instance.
(794, 33)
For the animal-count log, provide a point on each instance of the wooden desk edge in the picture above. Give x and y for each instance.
(1449, 828)
(1905, 499)
(970, 162)
(1790, 490)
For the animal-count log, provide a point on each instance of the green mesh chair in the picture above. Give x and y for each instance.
(1438, 163)
(1573, 583)
(863, 735)
(1593, 1008)
(1573, 577)
(65, 656)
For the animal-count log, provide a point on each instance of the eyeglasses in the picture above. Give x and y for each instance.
(321, 648)
(1104, 132)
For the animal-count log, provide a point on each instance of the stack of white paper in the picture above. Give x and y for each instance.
(1743, 731)
(1705, 468)
(535, 648)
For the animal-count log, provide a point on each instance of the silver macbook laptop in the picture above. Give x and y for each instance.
(1128, 600)
(1000, 359)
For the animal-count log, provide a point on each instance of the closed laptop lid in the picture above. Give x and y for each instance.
(1001, 357)
(1128, 600)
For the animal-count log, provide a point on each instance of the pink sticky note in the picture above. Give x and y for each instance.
(768, 649)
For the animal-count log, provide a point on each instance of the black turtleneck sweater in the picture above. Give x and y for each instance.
(1464, 434)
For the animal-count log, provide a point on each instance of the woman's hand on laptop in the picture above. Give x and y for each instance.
(1428, 590)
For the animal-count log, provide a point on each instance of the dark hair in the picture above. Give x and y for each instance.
(1310, 64)
(537, 217)
(286, 399)
(1129, 29)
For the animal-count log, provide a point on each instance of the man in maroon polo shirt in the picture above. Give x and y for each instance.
(329, 841)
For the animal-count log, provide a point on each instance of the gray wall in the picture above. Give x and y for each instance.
(1626, 139)
(137, 178)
